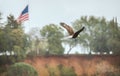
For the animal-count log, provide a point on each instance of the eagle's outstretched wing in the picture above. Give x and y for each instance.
(67, 27)
(76, 33)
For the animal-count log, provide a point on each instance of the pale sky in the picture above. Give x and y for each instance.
(43, 12)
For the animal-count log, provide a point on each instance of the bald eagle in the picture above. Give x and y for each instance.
(71, 31)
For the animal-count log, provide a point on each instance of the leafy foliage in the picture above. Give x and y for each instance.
(21, 69)
(53, 35)
(13, 40)
(60, 70)
(66, 71)
(100, 35)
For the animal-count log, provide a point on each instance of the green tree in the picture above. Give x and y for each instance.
(38, 44)
(13, 39)
(15, 35)
(21, 69)
(99, 34)
(2, 34)
(53, 34)
(114, 39)
(2, 40)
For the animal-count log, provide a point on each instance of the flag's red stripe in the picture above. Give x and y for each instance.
(23, 18)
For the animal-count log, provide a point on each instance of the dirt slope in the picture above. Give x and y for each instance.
(84, 65)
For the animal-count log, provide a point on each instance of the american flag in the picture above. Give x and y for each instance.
(24, 15)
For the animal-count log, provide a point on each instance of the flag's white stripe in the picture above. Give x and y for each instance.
(23, 17)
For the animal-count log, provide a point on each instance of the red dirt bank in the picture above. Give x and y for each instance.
(83, 64)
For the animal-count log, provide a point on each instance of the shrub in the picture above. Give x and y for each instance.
(66, 71)
(21, 69)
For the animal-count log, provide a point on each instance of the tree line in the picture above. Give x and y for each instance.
(13, 41)
(100, 35)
